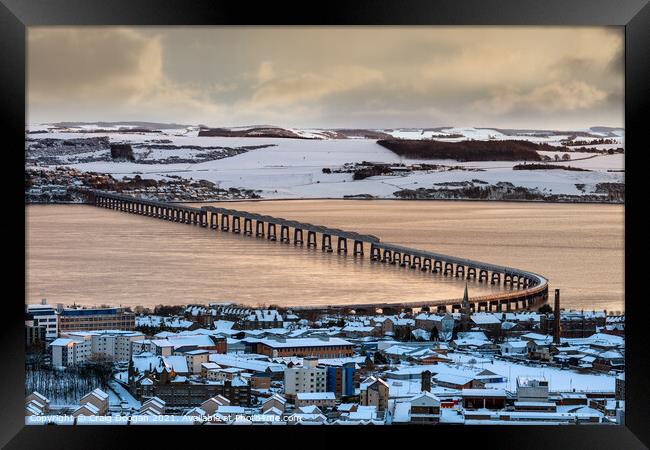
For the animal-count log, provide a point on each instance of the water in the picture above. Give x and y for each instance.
(95, 256)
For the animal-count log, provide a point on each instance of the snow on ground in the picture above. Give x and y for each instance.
(292, 168)
(564, 380)
(558, 379)
(118, 394)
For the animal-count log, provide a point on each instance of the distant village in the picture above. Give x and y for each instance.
(224, 363)
(62, 184)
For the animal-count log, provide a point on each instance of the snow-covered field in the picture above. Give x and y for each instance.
(293, 168)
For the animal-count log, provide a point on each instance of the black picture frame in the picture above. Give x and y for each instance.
(16, 15)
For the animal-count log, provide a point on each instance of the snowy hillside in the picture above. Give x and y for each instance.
(293, 168)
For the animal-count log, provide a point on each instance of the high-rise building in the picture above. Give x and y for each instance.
(311, 377)
(341, 379)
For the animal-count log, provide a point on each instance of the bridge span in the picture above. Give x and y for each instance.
(521, 289)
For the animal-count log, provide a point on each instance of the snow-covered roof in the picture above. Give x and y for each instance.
(309, 409)
(264, 315)
(484, 393)
(402, 412)
(276, 397)
(485, 319)
(62, 342)
(229, 360)
(316, 396)
(177, 363)
(305, 342)
(449, 378)
(515, 344)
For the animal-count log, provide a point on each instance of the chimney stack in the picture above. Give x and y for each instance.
(556, 317)
(426, 381)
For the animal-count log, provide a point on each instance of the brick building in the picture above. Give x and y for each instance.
(324, 347)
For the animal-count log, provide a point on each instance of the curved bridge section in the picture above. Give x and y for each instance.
(521, 289)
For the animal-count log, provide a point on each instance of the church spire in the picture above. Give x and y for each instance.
(465, 297)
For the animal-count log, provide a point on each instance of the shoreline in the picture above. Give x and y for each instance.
(541, 202)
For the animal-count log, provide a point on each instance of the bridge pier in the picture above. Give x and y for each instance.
(449, 268)
(236, 224)
(426, 264)
(437, 266)
(248, 226)
(270, 232)
(259, 228)
(375, 253)
(496, 278)
(417, 263)
(482, 276)
(460, 271)
(311, 239)
(225, 222)
(471, 273)
(342, 245)
(397, 258)
(326, 243)
(406, 260)
(358, 248)
(297, 236)
(388, 256)
(284, 233)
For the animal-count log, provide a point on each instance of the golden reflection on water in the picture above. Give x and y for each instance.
(90, 255)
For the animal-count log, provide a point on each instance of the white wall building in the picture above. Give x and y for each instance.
(45, 316)
(110, 344)
(308, 378)
(532, 389)
(68, 352)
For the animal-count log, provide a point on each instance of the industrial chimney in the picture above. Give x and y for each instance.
(426, 381)
(556, 317)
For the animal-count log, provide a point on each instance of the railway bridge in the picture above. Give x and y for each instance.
(519, 289)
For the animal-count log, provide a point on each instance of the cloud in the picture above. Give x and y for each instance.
(265, 72)
(552, 97)
(104, 64)
(325, 76)
(296, 87)
(117, 69)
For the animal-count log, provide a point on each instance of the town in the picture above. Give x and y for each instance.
(223, 363)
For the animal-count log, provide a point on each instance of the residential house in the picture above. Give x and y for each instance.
(98, 399)
(319, 399)
(374, 392)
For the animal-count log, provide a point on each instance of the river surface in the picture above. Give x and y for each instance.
(91, 256)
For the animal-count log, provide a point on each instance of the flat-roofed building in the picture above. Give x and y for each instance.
(114, 345)
(86, 319)
(44, 315)
(67, 352)
(532, 389)
(484, 398)
(311, 377)
(319, 347)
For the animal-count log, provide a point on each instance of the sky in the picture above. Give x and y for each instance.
(329, 77)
